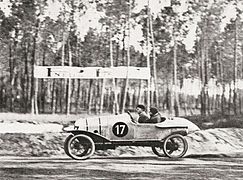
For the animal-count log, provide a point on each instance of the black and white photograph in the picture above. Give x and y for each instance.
(121, 89)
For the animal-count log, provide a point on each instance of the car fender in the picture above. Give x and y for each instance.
(97, 138)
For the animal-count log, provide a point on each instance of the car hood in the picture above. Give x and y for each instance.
(101, 120)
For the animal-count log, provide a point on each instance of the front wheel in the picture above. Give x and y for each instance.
(66, 144)
(175, 146)
(158, 151)
(80, 147)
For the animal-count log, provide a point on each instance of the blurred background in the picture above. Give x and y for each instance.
(193, 49)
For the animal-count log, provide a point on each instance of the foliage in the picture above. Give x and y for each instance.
(33, 32)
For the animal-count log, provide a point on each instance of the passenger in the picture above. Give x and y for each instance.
(143, 117)
(155, 116)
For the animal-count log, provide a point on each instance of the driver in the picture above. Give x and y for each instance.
(143, 117)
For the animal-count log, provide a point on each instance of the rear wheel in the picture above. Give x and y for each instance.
(175, 146)
(80, 147)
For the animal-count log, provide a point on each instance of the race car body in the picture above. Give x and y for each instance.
(105, 132)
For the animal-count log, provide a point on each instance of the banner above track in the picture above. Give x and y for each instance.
(91, 72)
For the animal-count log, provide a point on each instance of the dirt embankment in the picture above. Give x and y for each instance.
(218, 142)
(40, 135)
(214, 142)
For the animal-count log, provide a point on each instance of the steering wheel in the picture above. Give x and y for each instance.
(132, 119)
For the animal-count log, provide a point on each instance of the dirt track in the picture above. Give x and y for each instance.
(127, 167)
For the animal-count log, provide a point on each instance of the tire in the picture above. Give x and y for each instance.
(80, 147)
(175, 146)
(158, 151)
(66, 144)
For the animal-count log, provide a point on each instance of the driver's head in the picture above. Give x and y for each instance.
(140, 108)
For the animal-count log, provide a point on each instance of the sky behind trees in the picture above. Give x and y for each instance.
(90, 18)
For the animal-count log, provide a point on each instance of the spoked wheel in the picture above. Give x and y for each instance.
(175, 146)
(66, 144)
(80, 147)
(158, 151)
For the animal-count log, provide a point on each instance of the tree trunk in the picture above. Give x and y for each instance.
(78, 97)
(62, 95)
(36, 97)
(102, 96)
(208, 103)
(53, 97)
(148, 59)
(202, 73)
(124, 94)
(68, 105)
(123, 47)
(43, 95)
(12, 71)
(128, 62)
(235, 67)
(26, 78)
(34, 92)
(154, 62)
(207, 67)
(115, 102)
(4, 98)
(240, 102)
(230, 100)
(241, 62)
(96, 96)
(139, 92)
(11, 77)
(68, 95)
(90, 96)
(63, 91)
(43, 89)
(86, 97)
(223, 101)
(1, 94)
(221, 74)
(175, 85)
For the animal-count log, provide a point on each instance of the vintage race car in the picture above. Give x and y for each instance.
(108, 132)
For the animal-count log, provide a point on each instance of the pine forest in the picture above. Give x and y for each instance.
(193, 49)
